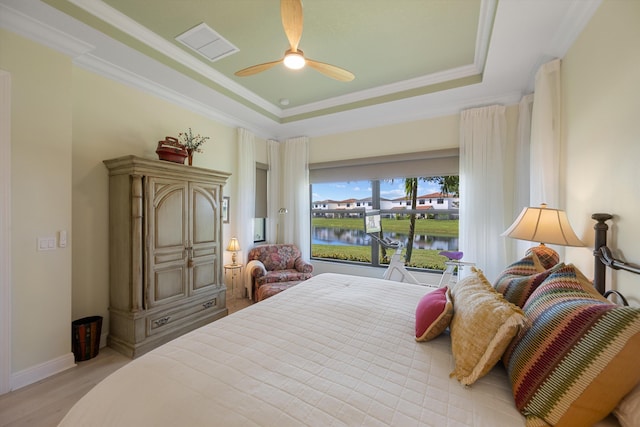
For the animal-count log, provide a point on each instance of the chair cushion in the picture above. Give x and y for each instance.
(282, 276)
(578, 357)
(270, 289)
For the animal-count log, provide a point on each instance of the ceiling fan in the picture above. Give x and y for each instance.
(291, 12)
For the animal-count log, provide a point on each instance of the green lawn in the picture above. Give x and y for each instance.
(421, 258)
(447, 228)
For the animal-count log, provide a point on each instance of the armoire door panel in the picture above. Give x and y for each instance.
(168, 284)
(172, 255)
(170, 218)
(204, 214)
(167, 235)
(204, 226)
(204, 274)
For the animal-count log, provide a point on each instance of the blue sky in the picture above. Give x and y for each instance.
(362, 189)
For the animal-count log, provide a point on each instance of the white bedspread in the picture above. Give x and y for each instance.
(335, 350)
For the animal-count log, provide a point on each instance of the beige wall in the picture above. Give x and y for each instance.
(66, 121)
(111, 120)
(422, 135)
(41, 200)
(601, 118)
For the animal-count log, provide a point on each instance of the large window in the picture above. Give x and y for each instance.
(421, 212)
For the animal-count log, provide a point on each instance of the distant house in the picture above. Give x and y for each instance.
(438, 201)
(429, 202)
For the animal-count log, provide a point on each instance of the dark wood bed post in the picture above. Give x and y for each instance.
(599, 268)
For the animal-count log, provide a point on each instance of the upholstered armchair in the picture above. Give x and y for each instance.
(276, 264)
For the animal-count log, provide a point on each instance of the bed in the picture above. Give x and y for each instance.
(333, 350)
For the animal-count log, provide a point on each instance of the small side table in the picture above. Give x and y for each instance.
(235, 270)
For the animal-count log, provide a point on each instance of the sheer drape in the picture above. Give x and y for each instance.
(295, 192)
(482, 195)
(545, 137)
(273, 190)
(521, 198)
(245, 205)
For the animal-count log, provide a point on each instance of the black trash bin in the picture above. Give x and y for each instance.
(85, 337)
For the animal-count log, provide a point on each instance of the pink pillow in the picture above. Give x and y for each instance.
(433, 314)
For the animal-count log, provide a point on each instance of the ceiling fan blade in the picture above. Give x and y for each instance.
(255, 69)
(331, 70)
(291, 12)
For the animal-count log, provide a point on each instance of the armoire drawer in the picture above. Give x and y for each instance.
(169, 319)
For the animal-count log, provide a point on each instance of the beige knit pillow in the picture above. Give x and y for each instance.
(483, 325)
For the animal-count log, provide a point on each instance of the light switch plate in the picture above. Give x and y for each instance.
(46, 243)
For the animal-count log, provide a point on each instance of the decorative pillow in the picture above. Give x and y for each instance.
(483, 325)
(433, 314)
(517, 288)
(547, 256)
(628, 411)
(577, 358)
(528, 265)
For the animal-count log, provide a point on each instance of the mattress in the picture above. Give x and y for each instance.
(336, 350)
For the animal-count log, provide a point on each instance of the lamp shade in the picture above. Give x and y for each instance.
(233, 246)
(543, 225)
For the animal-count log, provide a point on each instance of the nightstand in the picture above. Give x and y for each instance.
(235, 270)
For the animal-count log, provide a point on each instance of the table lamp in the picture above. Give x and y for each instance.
(543, 225)
(233, 247)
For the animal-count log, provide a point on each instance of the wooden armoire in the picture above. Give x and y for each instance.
(165, 251)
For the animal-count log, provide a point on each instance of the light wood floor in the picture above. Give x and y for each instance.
(45, 403)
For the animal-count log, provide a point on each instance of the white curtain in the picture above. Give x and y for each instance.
(246, 204)
(273, 190)
(295, 192)
(545, 137)
(483, 137)
(522, 168)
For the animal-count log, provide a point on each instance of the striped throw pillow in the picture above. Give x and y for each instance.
(517, 289)
(521, 278)
(577, 359)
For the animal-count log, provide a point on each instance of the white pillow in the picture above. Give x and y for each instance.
(628, 410)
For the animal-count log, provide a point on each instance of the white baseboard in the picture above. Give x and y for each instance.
(39, 372)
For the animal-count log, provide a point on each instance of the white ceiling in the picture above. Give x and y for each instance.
(413, 59)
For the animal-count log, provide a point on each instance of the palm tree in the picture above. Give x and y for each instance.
(449, 184)
(411, 190)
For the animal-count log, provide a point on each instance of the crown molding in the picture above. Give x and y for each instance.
(33, 29)
(124, 76)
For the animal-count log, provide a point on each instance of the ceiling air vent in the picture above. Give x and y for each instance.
(207, 42)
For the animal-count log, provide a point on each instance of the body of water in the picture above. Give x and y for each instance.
(339, 236)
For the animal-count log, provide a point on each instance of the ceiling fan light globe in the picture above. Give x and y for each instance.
(294, 60)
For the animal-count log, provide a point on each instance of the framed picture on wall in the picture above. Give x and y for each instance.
(259, 230)
(225, 210)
